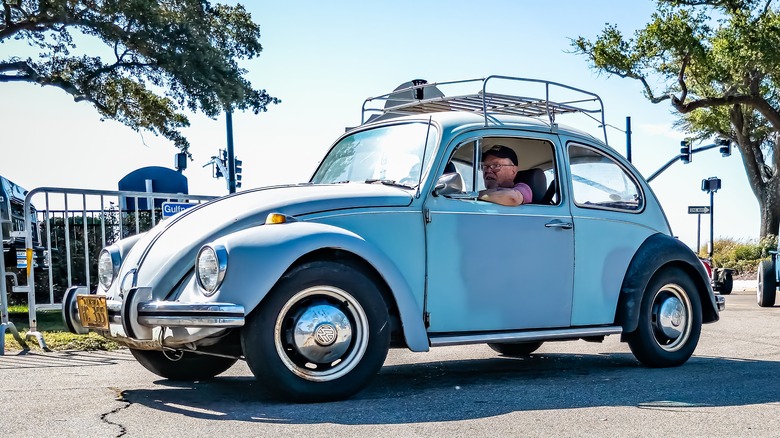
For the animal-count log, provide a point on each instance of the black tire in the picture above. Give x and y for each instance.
(728, 284)
(517, 349)
(766, 289)
(321, 334)
(189, 366)
(670, 319)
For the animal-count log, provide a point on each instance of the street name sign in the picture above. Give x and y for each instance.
(698, 209)
(171, 208)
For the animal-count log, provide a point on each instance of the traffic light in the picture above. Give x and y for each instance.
(686, 151)
(710, 185)
(725, 146)
(217, 172)
(238, 164)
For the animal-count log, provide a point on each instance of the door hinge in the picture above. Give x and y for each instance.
(427, 214)
(427, 319)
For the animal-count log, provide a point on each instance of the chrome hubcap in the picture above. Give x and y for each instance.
(671, 317)
(321, 333)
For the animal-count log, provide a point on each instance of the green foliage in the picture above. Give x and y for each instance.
(744, 256)
(165, 57)
(718, 63)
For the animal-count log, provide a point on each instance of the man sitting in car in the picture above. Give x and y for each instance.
(499, 166)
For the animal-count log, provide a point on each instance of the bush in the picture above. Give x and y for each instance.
(744, 256)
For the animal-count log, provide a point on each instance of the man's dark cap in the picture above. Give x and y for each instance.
(500, 151)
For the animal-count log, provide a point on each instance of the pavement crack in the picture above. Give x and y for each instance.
(119, 396)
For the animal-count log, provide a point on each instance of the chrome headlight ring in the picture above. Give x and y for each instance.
(109, 261)
(210, 267)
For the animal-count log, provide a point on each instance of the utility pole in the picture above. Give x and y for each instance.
(231, 159)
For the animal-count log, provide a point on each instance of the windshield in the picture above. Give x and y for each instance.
(388, 155)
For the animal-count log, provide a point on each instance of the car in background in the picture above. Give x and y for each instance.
(722, 279)
(767, 280)
(389, 246)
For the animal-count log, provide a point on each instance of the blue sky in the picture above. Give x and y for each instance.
(324, 58)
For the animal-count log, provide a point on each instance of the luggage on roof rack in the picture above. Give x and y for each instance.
(420, 97)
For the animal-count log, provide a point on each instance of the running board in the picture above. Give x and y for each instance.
(525, 336)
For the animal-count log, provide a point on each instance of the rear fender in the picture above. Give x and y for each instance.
(655, 253)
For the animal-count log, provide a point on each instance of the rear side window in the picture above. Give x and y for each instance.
(598, 181)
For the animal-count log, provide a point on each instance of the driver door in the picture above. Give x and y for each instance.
(492, 267)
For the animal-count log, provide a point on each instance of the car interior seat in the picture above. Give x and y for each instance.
(536, 180)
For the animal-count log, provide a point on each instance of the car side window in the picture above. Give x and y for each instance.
(598, 181)
(535, 167)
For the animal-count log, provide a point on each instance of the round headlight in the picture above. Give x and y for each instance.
(210, 267)
(108, 266)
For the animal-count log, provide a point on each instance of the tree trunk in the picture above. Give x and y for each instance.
(769, 204)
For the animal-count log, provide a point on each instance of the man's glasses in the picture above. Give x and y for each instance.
(494, 167)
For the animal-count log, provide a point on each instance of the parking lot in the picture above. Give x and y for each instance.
(728, 388)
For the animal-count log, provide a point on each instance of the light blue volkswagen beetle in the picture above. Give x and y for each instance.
(389, 245)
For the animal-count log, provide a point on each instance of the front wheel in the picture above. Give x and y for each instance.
(181, 365)
(321, 334)
(766, 288)
(670, 320)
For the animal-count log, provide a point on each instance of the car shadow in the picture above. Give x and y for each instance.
(481, 388)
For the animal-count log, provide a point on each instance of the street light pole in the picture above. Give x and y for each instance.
(231, 164)
(712, 222)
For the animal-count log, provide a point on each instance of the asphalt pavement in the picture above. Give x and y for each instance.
(729, 388)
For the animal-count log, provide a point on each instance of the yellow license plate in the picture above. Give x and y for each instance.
(93, 311)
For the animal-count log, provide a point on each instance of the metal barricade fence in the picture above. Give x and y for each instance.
(73, 225)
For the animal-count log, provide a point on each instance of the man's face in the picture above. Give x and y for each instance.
(498, 172)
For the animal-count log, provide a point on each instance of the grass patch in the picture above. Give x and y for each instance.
(52, 328)
(61, 341)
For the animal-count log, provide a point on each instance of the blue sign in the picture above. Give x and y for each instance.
(171, 208)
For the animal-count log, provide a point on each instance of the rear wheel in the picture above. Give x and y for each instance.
(516, 349)
(728, 284)
(766, 288)
(182, 366)
(321, 334)
(669, 320)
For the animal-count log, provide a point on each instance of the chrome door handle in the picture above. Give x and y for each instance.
(559, 224)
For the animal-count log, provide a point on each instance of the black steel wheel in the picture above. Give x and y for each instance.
(670, 319)
(182, 366)
(766, 289)
(516, 349)
(321, 334)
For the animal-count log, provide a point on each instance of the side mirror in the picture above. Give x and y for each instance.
(449, 184)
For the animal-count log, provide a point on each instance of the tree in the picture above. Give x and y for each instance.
(167, 57)
(718, 63)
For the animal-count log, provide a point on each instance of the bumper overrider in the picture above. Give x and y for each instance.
(136, 320)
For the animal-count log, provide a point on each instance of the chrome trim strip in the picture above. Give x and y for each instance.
(193, 321)
(526, 336)
(175, 314)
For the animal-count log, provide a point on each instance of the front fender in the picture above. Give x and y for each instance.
(657, 251)
(259, 256)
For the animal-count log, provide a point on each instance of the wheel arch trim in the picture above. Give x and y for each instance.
(659, 251)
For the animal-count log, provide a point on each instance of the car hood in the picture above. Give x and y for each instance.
(167, 252)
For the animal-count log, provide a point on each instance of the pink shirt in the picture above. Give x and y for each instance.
(524, 190)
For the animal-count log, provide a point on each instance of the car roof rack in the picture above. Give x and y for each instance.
(419, 97)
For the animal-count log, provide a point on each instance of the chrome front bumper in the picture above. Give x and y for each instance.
(137, 313)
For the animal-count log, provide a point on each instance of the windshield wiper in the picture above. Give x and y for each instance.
(387, 182)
